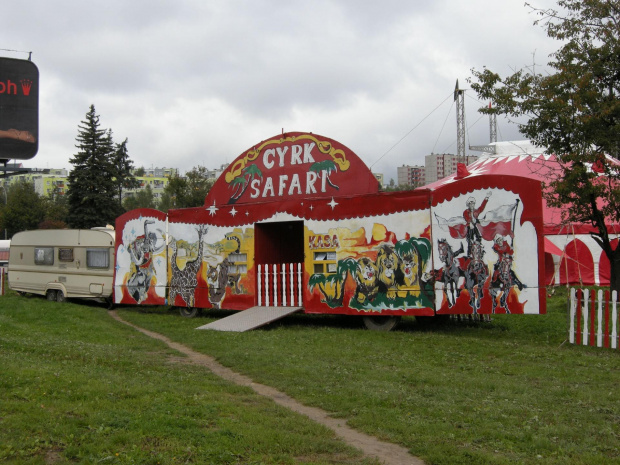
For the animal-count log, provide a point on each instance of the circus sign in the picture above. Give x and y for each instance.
(294, 165)
(19, 109)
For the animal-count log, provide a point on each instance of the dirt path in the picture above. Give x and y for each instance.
(387, 453)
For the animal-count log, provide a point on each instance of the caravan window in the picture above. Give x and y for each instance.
(97, 258)
(44, 256)
(65, 255)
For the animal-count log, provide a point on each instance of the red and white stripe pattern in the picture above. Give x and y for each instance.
(593, 318)
(279, 285)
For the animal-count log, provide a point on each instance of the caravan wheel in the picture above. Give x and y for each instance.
(60, 297)
(381, 323)
(188, 312)
(51, 295)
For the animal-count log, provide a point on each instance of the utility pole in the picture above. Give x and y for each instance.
(459, 98)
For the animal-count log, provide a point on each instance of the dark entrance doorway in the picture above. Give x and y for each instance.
(279, 242)
(279, 256)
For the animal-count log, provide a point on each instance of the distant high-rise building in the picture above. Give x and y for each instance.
(438, 166)
(156, 178)
(411, 175)
(214, 174)
(46, 182)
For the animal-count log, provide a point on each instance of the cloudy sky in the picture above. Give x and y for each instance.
(197, 82)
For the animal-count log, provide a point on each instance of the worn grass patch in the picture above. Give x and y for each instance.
(78, 387)
(503, 392)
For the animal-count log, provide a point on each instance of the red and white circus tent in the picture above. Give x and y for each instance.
(571, 254)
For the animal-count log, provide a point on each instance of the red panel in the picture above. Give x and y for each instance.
(577, 266)
(333, 208)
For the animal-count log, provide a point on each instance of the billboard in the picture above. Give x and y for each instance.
(19, 109)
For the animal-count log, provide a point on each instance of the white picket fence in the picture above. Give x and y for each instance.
(279, 285)
(593, 318)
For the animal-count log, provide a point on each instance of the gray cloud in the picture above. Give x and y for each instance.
(198, 82)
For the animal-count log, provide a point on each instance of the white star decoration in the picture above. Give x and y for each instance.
(212, 209)
(233, 212)
(333, 203)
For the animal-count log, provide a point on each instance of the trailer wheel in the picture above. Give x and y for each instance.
(51, 295)
(188, 312)
(60, 297)
(381, 323)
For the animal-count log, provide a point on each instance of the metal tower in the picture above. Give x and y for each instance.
(492, 126)
(459, 98)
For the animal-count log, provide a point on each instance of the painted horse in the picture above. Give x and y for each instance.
(504, 279)
(476, 274)
(451, 272)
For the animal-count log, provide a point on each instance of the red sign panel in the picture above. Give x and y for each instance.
(293, 165)
(19, 109)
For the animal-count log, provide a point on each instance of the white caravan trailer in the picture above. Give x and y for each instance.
(63, 263)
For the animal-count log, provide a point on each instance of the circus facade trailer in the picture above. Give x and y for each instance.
(298, 221)
(572, 256)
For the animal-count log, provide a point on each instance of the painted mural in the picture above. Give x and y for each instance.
(481, 244)
(379, 266)
(140, 272)
(210, 267)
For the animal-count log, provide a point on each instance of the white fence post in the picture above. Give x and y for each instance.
(291, 269)
(614, 321)
(599, 316)
(572, 311)
(299, 289)
(584, 314)
(275, 285)
(283, 274)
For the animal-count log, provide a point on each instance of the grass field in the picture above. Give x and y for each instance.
(81, 387)
(78, 387)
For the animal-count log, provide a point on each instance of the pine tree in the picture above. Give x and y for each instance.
(124, 167)
(92, 186)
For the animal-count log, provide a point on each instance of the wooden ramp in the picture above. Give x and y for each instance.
(250, 319)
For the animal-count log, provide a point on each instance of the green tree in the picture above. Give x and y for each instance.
(198, 186)
(56, 211)
(24, 209)
(124, 167)
(573, 112)
(186, 192)
(144, 198)
(174, 193)
(92, 186)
